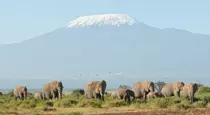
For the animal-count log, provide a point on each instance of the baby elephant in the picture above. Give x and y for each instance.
(39, 95)
(20, 92)
(189, 91)
(154, 94)
(123, 93)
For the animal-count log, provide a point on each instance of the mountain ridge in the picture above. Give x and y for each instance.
(139, 51)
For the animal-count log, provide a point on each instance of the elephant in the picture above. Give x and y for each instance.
(141, 89)
(123, 93)
(1, 93)
(189, 91)
(20, 92)
(129, 94)
(172, 89)
(39, 95)
(53, 90)
(95, 89)
(154, 94)
(114, 94)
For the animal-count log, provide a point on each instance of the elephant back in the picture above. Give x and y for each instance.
(143, 85)
(47, 87)
(20, 89)
(177, 86)
(121, 92)
(190, 88)
(56, 84)
(38, 95)
(95, 85)
(92, 84)
(114, 94)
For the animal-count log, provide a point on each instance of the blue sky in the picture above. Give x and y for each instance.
(24, 19)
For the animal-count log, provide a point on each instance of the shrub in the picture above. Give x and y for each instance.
(91, 103)
(163, 102)
(65, 103)
(49, 104)
(117, 103)
(10, 94)
(205, 99)
(48, 109)
(204, 89)
(78, 91)
(200, 104)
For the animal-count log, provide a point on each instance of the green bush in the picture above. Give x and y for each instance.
(163, 102)
(204, 89)
(65, 103)
(200, 104)
(78, 91)
(95, 103)
(118, 103)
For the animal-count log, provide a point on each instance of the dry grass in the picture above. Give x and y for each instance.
(72, 105)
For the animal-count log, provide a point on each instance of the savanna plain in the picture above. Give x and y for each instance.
(75, 103)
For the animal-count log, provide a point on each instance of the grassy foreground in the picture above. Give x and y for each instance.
(72, 105)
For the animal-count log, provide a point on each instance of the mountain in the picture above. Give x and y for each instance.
(114, 47)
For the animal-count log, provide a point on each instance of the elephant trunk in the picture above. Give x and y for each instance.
(25, 93)
(102, 93)
(60, 92)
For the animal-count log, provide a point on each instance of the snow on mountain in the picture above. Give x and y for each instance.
(99, 20)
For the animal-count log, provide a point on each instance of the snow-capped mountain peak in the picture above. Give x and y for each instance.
(100, 20)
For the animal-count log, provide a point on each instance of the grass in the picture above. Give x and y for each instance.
(76, 100)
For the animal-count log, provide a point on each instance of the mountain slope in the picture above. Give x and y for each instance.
(100, 50)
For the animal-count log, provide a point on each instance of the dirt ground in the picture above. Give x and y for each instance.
(202, 111)
(122, 111)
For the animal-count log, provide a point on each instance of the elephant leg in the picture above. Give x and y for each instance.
(47, 94)
(20, 95)
(86, 96)
(127, 97)
(25, 95)
(94, 95)
(102, 98)
(144, 95)
(53, 94)
(15, 97)
(43, 96)
(119, 97)
(177, 94)
(133, 98)
(191, 98)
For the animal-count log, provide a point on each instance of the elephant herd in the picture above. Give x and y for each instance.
(146, 90)
(51, 90)
(96, 89)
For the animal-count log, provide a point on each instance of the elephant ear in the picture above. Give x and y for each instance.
(147, 85)
(59, 84)
(97, 88)
(181, 85)
(176, 87)
(195, 86)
